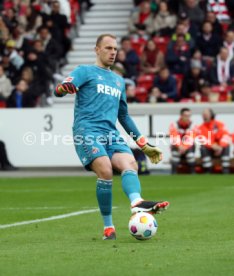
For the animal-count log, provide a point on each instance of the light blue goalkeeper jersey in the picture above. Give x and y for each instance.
(100, 101)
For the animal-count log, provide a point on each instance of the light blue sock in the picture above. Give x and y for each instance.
(131, 185)
(104, 197)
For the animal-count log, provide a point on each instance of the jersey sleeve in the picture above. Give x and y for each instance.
(125, 119)
(78, 76)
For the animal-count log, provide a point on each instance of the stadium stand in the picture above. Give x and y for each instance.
(42, 41)
(200, 30)
(52, 37)
(35, 39)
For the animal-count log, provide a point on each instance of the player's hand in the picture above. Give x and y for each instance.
(153, 152)
(66, 87)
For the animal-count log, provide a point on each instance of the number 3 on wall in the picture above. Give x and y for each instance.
(49, 122)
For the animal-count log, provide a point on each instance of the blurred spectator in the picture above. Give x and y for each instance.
(182, 141)
(152, 59)
(121, 59)
(35, 34)
(137, 2)
(208, 42)
(119, 69)
(219, 7)
(22, 39)
(27, 75)
(85, 5)
(229, 43)
(5, 85)
(75, 20)
(222, 72)
(54, 31)
(14, 57)
(64, 8)
(206, 93)
(230, 5)
(164, 87)
(5, 164)
(38, 48)
(193, 80)
(154, 5)
(131, 94)
(52, 48)
(231, 24)
(192, 9)
(45, 8)
(41, 72)
(164, 22)
(132, 60)
(217, 27)
(177, 56)
(197, 56)
(203, 5)
(174, 5)
(10, 70)
(217, 142)
(20, 96)
(189, 27)
(61, 23)
(4, 34)
(182, 30)
(141, 21)
(9, 17)
(30, 21)
(88, 3)
(36, 85)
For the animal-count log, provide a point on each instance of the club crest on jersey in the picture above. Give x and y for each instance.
(118, 83)
(69, 79)
(95, 150)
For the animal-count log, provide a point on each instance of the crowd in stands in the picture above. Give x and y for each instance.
(179, 51)
(175, 50)
(35, 37)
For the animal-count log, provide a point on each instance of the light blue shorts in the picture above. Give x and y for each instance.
(91, 146)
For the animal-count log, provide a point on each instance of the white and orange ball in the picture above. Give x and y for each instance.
(142, 226)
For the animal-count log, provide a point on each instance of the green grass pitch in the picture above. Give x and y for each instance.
(195, 236)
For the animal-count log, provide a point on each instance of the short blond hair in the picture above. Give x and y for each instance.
(102, 36)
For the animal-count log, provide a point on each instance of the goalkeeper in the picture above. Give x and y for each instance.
(100, 101)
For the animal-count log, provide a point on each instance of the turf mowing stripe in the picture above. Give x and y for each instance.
(4, 226)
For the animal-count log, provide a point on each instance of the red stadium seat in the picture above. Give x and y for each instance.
(141, 94)
(170, 101)
(162, 43)
(186, 100)
(138, 45)
(2, 104)
(179, 79)
(222, 91)
(145, 81)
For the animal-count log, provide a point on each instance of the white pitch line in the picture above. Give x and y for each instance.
(34, 208)
(4, 226)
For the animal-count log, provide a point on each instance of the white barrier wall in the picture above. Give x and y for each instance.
(43, 137)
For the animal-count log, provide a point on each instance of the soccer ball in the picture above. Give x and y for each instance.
(142, 226)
